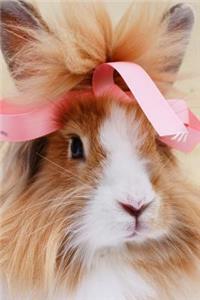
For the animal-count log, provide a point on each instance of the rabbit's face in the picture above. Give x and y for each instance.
(99, 183)
(101, 173)
(102, 184)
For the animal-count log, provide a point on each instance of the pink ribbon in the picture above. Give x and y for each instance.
(26, 123)
(169, 118)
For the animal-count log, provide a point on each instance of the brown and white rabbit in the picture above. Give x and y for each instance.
(98, 210)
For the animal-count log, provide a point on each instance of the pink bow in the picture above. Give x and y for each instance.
(175, 124)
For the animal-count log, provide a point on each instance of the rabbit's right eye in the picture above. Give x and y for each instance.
(76, 148)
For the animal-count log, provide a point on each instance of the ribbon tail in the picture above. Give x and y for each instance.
(192, 123)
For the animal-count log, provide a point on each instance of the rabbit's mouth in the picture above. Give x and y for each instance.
(137, 227)
(140, 231)
(145, 223)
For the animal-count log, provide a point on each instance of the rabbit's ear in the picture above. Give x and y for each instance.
(180, 20)
(15, 16)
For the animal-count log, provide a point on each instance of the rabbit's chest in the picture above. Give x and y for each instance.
(113, 283)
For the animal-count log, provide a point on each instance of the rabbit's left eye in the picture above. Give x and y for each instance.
(76, 148)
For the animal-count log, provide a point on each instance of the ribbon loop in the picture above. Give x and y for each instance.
(169, 118)
(150, 99)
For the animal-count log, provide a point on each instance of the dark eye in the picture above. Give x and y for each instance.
(76, 148)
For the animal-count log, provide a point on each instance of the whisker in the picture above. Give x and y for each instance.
(63, 202)
(65, 171)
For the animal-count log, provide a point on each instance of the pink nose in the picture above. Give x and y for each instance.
(133, 207)
(131, 210)
(134, 202)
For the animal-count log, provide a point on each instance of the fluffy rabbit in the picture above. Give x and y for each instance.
(98, 210)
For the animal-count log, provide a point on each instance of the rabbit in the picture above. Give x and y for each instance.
(100, 209)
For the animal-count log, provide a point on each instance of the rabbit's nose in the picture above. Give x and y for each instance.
(131, 210)
(134, 208)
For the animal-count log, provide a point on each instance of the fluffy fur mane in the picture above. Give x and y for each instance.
(68, 40)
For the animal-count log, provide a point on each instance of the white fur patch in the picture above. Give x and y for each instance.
(112, 280)
(123, 177)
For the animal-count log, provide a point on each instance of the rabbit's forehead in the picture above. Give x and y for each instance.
(112, 125)
(120, 130)
(126, 136)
